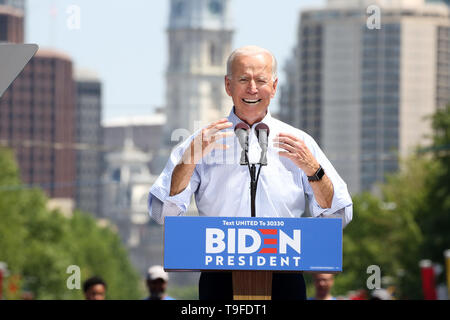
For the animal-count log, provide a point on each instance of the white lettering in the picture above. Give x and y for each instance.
(231, 240)
(74, 19)
(214, 240)
(273, 261)
(373, 21)
(261, 261)
(73, 282)
(242, 237)
(294, 242)
(374, 281)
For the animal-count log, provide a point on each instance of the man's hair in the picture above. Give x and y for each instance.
(92, 282)
(248, 50)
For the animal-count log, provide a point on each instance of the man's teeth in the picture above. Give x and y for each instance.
(251, 101)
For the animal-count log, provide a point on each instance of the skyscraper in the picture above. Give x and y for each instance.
(199, 39)
(37, 114)
(363, 92)
(18, 4)
(89, 136)
(12, 21)
(37, 121)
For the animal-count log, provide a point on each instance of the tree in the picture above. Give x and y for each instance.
(407, 223)
(38, 244)
(434, 216)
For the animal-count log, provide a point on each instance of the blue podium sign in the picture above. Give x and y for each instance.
(275, 244)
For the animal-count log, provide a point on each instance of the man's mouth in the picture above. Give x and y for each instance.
(249, 101)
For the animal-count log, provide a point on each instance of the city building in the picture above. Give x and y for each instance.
(37, 115)
(37, 121)
(364, 91)
(199, 42)
(145, 132)
(89, 138)
(12, 21)
(126, 182)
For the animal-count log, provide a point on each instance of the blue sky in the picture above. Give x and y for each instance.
(125, 42)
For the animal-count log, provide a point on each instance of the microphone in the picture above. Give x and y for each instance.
(241, 130)
(262, 132)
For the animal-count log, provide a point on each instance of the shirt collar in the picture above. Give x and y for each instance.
(233, 118)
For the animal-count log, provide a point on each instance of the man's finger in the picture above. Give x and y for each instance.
(285, 146)
(286, 140)
(285, 154)
(213, 124)
(284, 134)
(221, 135)
(221, 126)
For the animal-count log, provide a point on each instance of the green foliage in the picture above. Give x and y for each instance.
(409, 222)
(183, 293)
(434, 216)
(39, 244)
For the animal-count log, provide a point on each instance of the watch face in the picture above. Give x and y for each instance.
(215, 6)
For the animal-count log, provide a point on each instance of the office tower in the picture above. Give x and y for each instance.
(37, 115)
(18, 4)
(12, 21)
(89, 138)
(199, 42)
(37, 121)
(363, 92)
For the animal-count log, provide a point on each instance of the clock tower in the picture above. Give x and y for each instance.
(200, 35)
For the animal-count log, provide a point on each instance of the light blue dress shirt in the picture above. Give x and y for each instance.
(222, 186)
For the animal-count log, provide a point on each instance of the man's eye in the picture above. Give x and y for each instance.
(243, 80)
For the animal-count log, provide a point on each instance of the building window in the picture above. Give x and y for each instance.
(215, 58)
(3, 28)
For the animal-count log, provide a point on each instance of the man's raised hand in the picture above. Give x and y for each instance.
(206, 141)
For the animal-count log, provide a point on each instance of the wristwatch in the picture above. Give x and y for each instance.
(318, 175)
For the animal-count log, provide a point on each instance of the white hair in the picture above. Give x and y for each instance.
(250, 50)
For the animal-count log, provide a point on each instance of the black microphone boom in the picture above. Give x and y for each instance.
(242, 131)
(262, 132)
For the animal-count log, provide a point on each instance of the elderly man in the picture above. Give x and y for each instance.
(297, 174)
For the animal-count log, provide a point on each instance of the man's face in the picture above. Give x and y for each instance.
(96, 292)
(251, 86)
(157, 287)
(323, 283)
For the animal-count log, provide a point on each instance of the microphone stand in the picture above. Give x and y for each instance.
(253, 184)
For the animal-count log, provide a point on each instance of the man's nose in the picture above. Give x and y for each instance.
(252, 87)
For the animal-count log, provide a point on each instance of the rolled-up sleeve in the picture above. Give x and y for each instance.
(342, 205)
(160, 203)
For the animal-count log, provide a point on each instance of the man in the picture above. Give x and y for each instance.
(157, 280)
(94, 288)
(212, 171)
(323, 282)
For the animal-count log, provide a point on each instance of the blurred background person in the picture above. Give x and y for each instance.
(323, 283)
(94, 288)
(157, 280)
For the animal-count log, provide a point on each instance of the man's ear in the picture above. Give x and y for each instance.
(227, 86)
(275, 84)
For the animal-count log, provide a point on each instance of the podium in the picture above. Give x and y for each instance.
(253, 248)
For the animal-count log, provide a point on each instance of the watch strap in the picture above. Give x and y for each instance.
(317, 175)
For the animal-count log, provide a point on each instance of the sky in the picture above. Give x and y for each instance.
(125, 42)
